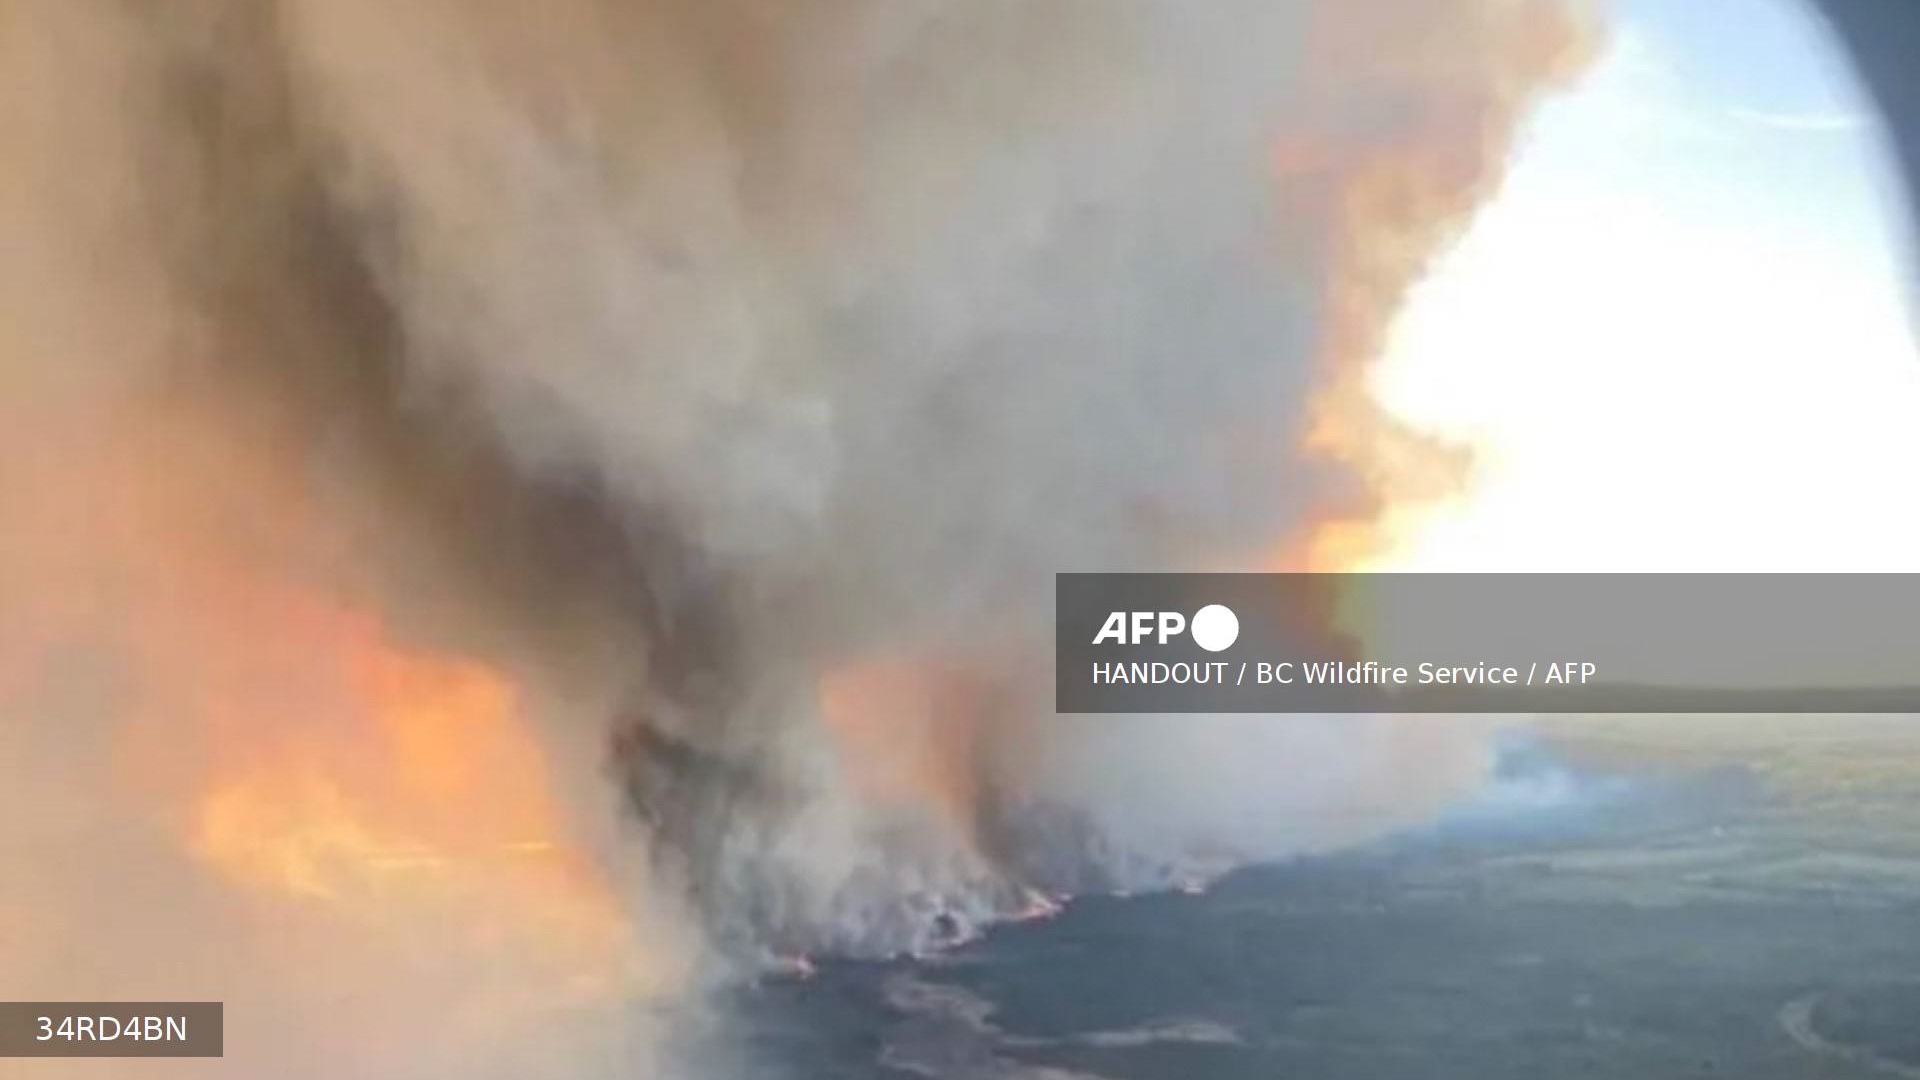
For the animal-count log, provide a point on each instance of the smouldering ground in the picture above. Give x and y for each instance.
(1732, 897)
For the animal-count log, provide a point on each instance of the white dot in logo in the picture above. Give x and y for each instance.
(1215, 627)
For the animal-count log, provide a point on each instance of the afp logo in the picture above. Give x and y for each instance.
(1214, 628)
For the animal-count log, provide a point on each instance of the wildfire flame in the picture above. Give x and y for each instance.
(420, 791)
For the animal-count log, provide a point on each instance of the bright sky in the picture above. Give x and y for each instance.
(1679, 338)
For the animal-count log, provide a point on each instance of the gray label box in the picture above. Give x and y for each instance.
(112, 1029)
(1491, 643)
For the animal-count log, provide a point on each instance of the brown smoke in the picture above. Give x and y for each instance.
(1411, 140)
(506, 510)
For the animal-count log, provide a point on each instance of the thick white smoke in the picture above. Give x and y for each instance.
(731, 377)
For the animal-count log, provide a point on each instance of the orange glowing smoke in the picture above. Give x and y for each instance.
(420, 783)
(1395, 177)
(291, 742)
(398, 789)
(906, 731)
(1415, 123)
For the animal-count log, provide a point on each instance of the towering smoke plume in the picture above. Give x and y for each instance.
(553, 502)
